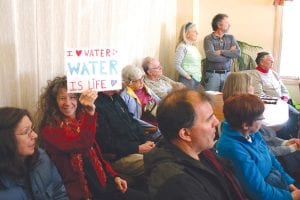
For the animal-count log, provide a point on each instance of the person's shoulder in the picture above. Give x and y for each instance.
(258, 135)
(226, 143)
(44, 166)
(165, 78)
(147, 79)
(124, 93)
(163, 158)
(182, 186)
(208, 36)
(101, 99)
(181, 45)
(41, 151)
(229, 35)
(275, 73)
(43, 157)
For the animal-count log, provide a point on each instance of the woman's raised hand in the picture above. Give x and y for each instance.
(87, 99)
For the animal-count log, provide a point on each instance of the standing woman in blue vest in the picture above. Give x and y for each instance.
(187, 56)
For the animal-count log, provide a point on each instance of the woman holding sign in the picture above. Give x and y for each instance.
(67, 124)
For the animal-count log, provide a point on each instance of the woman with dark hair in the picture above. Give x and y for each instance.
(257, 169)
(26, 172)
(68, 127)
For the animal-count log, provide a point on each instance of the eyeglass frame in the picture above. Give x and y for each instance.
(138, 80)
(156, 68)
(27, 132)
(260, 118)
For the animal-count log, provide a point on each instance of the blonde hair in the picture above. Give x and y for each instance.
(183, 32)
(235, 83)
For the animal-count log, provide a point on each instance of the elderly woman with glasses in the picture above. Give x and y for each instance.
(26, 172)
(257, 169)
(140, 99)
(187, 56)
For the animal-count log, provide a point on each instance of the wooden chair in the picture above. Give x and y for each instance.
(218, 108)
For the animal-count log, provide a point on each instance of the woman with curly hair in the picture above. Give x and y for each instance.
(67, 123)
(26, 172)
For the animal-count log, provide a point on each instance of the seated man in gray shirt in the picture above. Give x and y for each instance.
(155, 79)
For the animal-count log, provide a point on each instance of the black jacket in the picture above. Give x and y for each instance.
(117, 131)
(173, 175)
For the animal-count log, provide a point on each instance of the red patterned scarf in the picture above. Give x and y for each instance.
(226, 173)
(72, 129)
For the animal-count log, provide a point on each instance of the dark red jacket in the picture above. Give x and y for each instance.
(61, 144)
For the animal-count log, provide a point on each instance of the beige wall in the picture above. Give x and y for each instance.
(251, 21)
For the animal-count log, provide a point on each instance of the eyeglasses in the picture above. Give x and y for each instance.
(27, 131)
(157, 68)
(259, 119)
(141, 80)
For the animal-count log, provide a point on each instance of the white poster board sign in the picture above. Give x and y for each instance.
(92, 68)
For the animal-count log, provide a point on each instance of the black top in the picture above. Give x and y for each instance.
(117, 131)
(173, 175)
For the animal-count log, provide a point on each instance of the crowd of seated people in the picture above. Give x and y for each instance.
(96, 144)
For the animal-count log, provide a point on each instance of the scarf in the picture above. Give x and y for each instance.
(226, 173)
(262, 70)
(72, 129)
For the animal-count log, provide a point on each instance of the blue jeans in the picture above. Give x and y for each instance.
(291, 164)
(274, 178)
(214, 81)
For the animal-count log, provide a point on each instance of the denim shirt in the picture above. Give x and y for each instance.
(46, 183)
(212, 44)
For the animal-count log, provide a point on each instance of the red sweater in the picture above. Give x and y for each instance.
(62, 142)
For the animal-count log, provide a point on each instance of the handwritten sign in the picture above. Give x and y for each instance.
(96, 69)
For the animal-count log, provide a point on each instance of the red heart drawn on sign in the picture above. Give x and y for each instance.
(78, 52)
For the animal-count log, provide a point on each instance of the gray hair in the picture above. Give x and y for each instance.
(132, 73)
